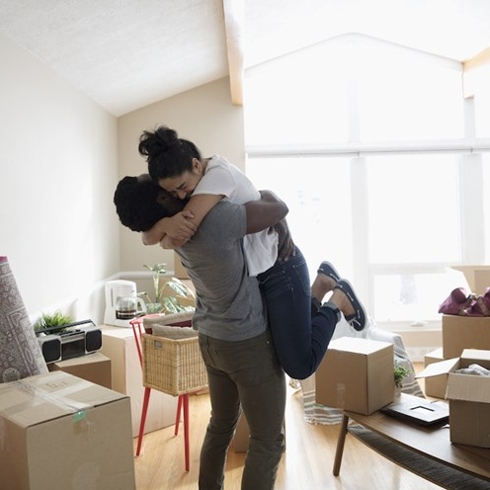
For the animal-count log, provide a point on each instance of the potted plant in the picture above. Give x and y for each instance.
(173, 297)
(400, 373)
(47, 323)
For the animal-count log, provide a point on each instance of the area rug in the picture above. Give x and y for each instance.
(20, 353)
(438, 473)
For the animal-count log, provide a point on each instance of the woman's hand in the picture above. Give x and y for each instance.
(179, 227)
(171, 243)
(286, 244)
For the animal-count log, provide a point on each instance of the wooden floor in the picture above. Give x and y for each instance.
(307, 462)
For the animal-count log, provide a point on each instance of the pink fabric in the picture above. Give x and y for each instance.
(459, 302)
(20, 353)
(481, 306)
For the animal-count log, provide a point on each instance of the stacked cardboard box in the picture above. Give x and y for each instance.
(464, 332)
(241, 439)
(120, 347)
(458, 333)
(433, 356)
(93, 367)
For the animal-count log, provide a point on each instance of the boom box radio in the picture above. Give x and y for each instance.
(70, 342)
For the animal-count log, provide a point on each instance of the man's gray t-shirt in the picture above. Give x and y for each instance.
(229, 302)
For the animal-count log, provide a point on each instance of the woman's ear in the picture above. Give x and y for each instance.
(197, 166)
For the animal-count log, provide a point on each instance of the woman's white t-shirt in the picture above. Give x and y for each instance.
(223, 178)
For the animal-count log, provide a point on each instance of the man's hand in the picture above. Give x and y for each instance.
(286, 244)
(265, 212)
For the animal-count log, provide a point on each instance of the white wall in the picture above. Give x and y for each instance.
(61, 156)
(205, 116)
(58, 165)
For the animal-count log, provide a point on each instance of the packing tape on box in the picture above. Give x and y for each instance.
(340, 391)
(54, 392)
(62, 391)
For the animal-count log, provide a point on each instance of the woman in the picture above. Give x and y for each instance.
(301, 326)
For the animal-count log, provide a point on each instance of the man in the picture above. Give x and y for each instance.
(243, 370)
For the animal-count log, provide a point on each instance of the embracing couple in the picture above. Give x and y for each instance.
(256, 313)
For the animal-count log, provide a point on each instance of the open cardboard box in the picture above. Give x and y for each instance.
(59, 431)
(469, 409)
(468, 395)
(436, 374)
(356, 375)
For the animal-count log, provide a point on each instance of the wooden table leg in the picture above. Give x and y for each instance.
(340, 445)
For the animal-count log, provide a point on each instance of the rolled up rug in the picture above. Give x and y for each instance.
(20, 353)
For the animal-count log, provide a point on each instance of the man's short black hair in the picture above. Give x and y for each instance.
(137, 204)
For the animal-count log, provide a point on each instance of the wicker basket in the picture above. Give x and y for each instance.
(173, 366)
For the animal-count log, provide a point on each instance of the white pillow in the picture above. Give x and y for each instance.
(174, 332)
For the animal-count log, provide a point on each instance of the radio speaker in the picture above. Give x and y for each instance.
(93, 340)
(50, 347)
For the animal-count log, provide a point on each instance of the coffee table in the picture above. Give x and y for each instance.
(426, 451)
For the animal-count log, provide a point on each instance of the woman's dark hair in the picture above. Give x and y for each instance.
(136, 203)
(167, 155)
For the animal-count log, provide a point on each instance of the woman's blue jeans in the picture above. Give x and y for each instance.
(300, 332)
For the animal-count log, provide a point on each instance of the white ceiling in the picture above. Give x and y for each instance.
(126, 54)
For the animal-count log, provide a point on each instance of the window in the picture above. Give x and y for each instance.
(409, 236)
(372, 160)
(413, 209)
(486, 197)
(482, 106)
(319, 204)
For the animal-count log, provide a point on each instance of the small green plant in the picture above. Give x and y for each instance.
(400, 373)
(173, 297)
(51, 320)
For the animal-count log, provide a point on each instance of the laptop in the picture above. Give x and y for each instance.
(419, 411)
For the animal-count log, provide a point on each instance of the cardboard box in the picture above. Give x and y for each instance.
(478, 276)
(179, 270)
(433, 356)
(356, 375)
(469, 409)
(437, 374)
(61, 432)
(119, 345)
(242, 434)
(464, 332)
(93, 367)
(434, 386)
(241, 438)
